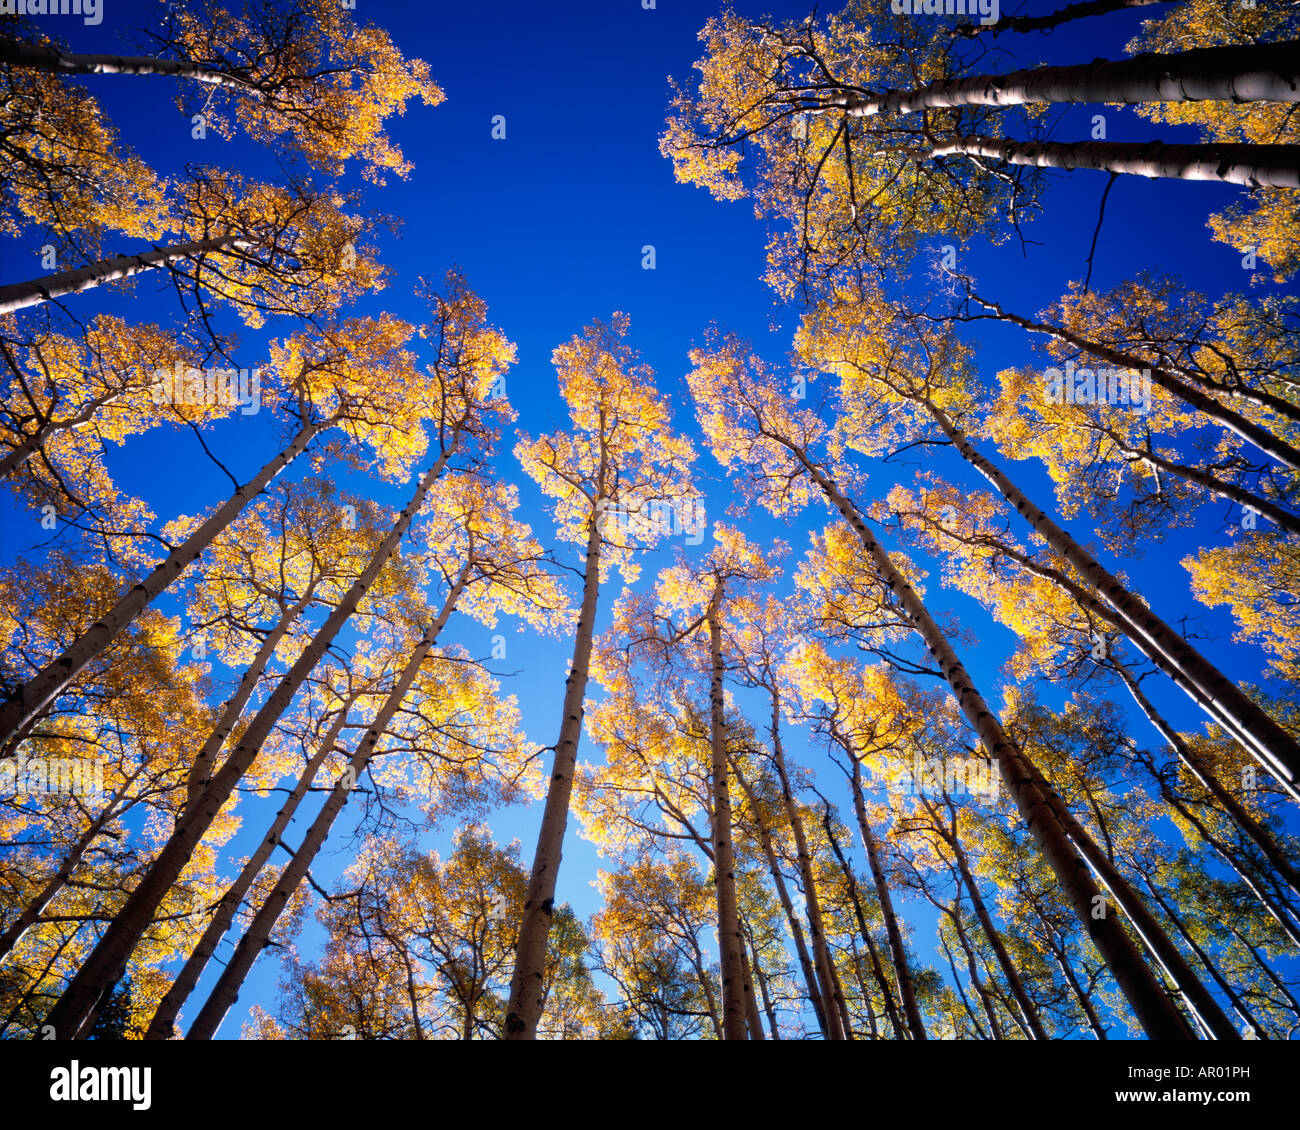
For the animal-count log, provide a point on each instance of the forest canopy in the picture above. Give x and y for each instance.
(461, 581)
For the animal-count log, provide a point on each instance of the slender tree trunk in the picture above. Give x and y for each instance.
(30, 444)
(1070, 12)
(877, 968)
(1175, 373)
(32, 912)
(39, 691)
(1262, 72)
(1248, 824)
(841, 1003)
(1278, 983)
(815, 992)
(226, 991)
(414, 997)
(961, 992)
(760, 979)
(1089, 1013)
(1276, 166)
(753, 1021)
(710, 998)
(1274, 747)
(873, 1029)
(63, 284)
(1239, 425)
(902, 967)
(164, 1017)
(1093, 604)
(1275, 512)
(37, 57)
(1009, 970)
(232, 711)
(1211, 967)
(1158, 1015)
(816, 925)
(36, 982)
(1154, 936)
(75, 1010)
(523, 1008)
(1280, 909)
(724, 858)
(972, 966)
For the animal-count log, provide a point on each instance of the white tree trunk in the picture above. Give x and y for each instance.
(1167, 955)
(1086, 599)
(903, 967)
(25, 448)
(33, 696)
(32, 912)
(1248, 430)
(524, 1007)
(1202, 772)
(730, 943)
(40, 58)
(1275, 166)
(1078, 11)
(75, 1011)
(1272, 746)
(160, 1027)
(816, 924)
(18, 296)
(818, 997)
(201, 770)
(1265, 72)
(226, 991)
(1280, 516)
(1151, 1005)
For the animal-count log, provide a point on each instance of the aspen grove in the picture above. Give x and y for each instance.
(460, 581)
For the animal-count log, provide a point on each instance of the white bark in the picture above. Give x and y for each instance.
(730, 943)
(201, 770)
(903, 968)
(1152, 1006)
(1271, 745)
(524, 1007)
(1086, 599)
(1202, 772)
(1266, 72)
(226, 991)
(40, 58)
(32, 912)
(1275, 166)
(1078, 11)
(18, 296)
(816, 924)
(1167, 955)
(160, 1027)
(75, 1010)
(33, 696)
(1248, 430)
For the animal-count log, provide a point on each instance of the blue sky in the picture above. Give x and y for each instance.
(549, 226)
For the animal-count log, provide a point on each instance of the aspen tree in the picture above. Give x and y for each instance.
(620, 461)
